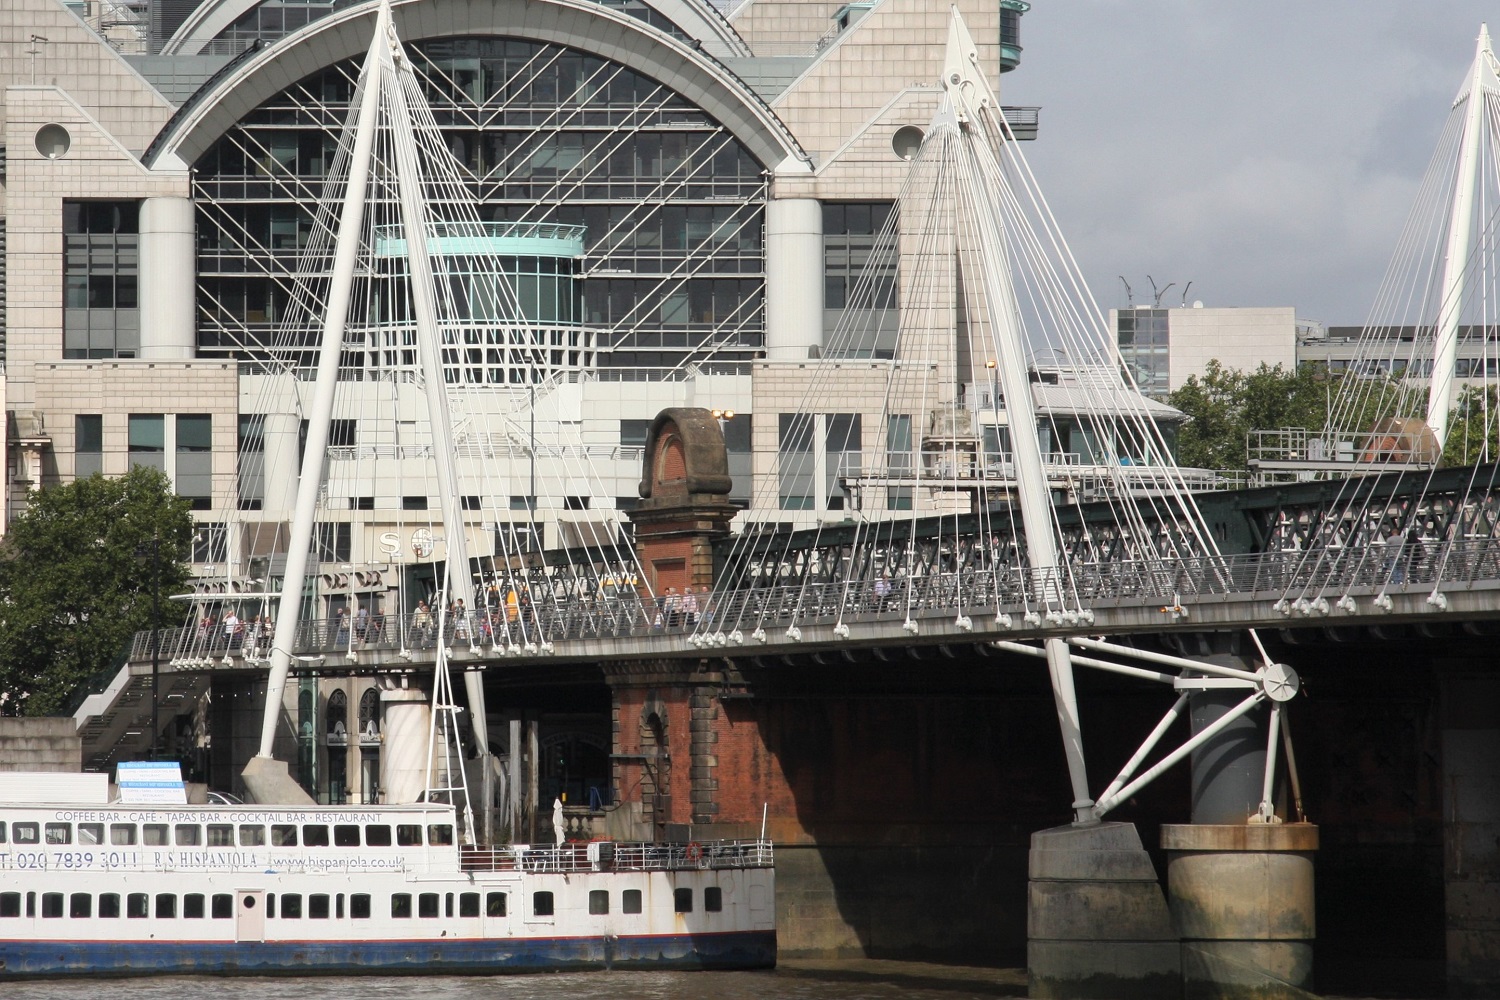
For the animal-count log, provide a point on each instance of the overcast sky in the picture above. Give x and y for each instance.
(1267, 152)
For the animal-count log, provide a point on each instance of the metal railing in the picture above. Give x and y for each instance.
(528, 628)
(607, 855)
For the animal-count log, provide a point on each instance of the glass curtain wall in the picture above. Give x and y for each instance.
(673, 267)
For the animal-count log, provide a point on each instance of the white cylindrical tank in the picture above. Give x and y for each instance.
(403, 758)
(794, 278)
(168, 272)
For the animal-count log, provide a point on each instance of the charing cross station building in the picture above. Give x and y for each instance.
(685, 194)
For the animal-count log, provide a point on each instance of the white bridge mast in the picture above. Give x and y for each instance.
(381, 93)
(969, 102)
(1478, 87)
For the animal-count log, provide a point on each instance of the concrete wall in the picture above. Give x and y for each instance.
(40, 745)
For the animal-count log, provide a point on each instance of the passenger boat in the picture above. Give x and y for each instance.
(97, 889)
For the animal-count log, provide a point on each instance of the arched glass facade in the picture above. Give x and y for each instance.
(671, 206)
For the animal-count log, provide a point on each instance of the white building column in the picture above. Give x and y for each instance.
(403, 761)
(794, 278)
(279, 482)
(168, 273)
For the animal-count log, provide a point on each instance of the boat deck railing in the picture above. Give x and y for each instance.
(608, 855)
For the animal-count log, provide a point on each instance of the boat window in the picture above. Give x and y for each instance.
(401, 904)
(317, 907)
(291, 906)
(3, 829)
(283, 835)
(378, 836)
(713, 899)
(52, 904)
(468, 904)
(137, 906)
(223, 906)
(630, 901)
(541, 904)
(154, 834)
(252, 835)
(427, 904)
(81, 904)
(31, 904)
(270, 903)
(359, 906)
(682, 900)
(193, 906)
(25, 833)
(91, 833)
(598, 901)
(314, 835)
(189, 834)
(494, 904)
(408, 835)
(339, 907)
(109, 905)
(10, 904)
(166, 905)
(220, 835)
(59, 833)
(122, 833)
(440, 834)
(346, 835)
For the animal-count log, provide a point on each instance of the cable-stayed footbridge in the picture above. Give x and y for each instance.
(966, 464)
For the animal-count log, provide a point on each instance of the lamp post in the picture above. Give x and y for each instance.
(155, 640)
(993, 365)
(349, 610)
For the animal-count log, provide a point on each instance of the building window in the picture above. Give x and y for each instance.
(842, 442)
(210, 543)
(148, 440)
(670, 205)
(795, 460)
(251, 483)
(101, 249)
(1142, 336)
(859, 275)
(195, 460)
(88, 444)
(333, 542)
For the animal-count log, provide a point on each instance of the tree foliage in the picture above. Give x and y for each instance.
(1226, 404)
(1473, 434)
(76, 577)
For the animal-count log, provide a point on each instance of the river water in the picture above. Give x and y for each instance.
(799, 981)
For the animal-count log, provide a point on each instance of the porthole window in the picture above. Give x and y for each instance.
(53, 141)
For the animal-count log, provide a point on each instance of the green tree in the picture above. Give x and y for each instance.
(76, 576)
(1473, 433)
(1226, 404)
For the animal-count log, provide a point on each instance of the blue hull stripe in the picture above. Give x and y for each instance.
(35, 959)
